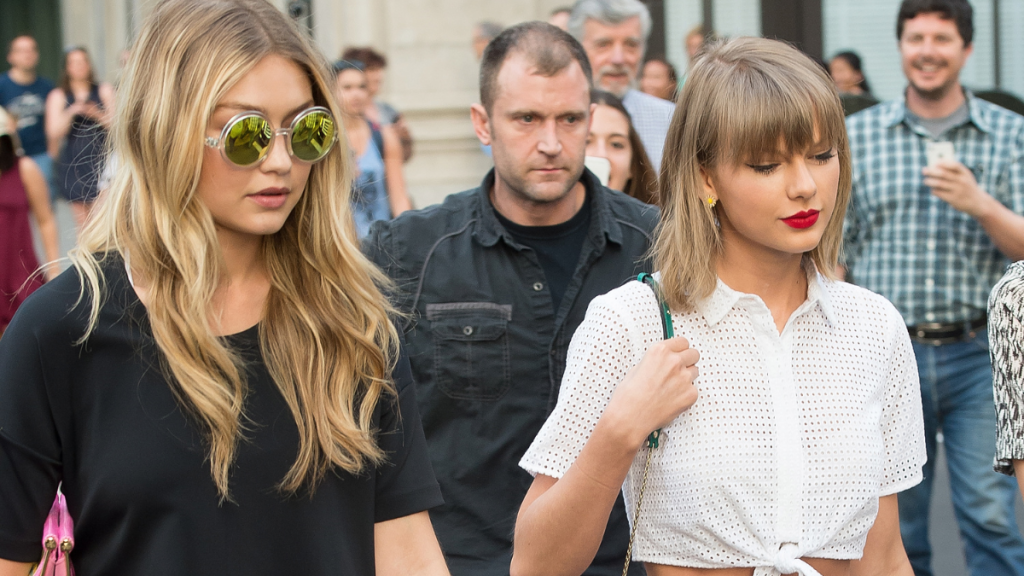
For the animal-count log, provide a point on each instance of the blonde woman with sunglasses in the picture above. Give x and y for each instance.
(216, 384)
(788, 401)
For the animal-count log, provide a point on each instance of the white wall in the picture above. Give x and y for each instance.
(681, 16)
(1011, 30)
(737, 18)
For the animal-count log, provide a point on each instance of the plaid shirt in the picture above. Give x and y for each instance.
(934, 263)
(650, 116)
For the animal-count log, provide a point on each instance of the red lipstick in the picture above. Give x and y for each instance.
(804, 219)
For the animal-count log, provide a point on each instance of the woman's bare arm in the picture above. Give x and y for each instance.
(883, 553)
(39, 204)
(395, 177)
(58, 120)
(8, 568)
(107, 98)
(1018, 471)
(407, 546)
(561, 522)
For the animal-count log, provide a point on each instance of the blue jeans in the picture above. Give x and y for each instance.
(956, 394)
(45, 164)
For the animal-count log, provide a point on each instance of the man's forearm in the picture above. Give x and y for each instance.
(1005, 228)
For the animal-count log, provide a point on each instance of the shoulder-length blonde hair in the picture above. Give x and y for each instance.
(742, 98)
(325, 335)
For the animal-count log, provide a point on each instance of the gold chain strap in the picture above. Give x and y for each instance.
(652, 443)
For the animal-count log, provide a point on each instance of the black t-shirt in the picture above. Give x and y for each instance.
(558, 247)
(102, 419)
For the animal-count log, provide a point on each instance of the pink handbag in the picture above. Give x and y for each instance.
(58, 541)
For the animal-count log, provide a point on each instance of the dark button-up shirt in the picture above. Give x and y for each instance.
(488, 351)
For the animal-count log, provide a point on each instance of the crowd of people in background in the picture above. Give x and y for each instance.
(494, 341)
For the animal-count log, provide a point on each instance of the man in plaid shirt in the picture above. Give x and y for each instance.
(934, 237)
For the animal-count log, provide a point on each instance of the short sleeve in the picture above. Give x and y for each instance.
(1015, 179)
(902, 418)
(405, 482)
(600, 355)
(30, 451)
(1006, 343)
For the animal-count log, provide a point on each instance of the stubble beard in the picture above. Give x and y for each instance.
(528, 192)
(937, 93)
(620, 90)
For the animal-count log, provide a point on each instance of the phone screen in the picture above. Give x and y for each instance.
(601, 168)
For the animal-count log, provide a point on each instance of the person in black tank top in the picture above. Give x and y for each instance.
(77, 115)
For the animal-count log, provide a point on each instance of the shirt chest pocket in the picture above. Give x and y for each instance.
(471, 355)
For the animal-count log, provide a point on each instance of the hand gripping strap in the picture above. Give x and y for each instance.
(655, 437)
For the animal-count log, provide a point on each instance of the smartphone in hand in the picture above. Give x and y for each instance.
(939, 152)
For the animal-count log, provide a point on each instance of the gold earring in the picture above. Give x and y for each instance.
(712, 201)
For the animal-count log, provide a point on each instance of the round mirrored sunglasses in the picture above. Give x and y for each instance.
(248, 137)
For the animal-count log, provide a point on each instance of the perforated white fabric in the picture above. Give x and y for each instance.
(793, 437)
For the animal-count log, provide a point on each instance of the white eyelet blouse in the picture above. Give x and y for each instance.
(791, 442)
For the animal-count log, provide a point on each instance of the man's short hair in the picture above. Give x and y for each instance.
(10, 45)
(370, 58)
(959, 11)
(609, 12)
(489, 29)
(548, 47)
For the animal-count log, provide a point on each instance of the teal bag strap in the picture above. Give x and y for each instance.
(654, 438)
(666, 316)
(666, 329)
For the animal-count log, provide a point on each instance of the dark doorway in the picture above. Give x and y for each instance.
(39, 19)
(796, 21)
(656, 41)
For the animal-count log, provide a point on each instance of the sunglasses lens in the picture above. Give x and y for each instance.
(313, 135)
(247, 140)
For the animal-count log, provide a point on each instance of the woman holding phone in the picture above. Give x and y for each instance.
(613, 137)
(216, 385)
(788, 401)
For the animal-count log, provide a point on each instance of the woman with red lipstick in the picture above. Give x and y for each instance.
(787, 402)
(216, 385)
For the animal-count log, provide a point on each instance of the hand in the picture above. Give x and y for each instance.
(658, 389)
(954, 183)
(77, 108)
(91, 110)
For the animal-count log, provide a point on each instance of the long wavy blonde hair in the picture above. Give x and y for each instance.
(740, 99)
(325, 335)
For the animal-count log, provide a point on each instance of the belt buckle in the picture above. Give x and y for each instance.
(938, 341)
(957, 332)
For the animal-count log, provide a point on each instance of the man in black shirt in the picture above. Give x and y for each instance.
(495, 281)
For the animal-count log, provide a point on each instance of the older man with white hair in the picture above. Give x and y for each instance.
(614, 34)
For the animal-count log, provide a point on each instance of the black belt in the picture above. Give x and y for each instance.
(936, 334)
